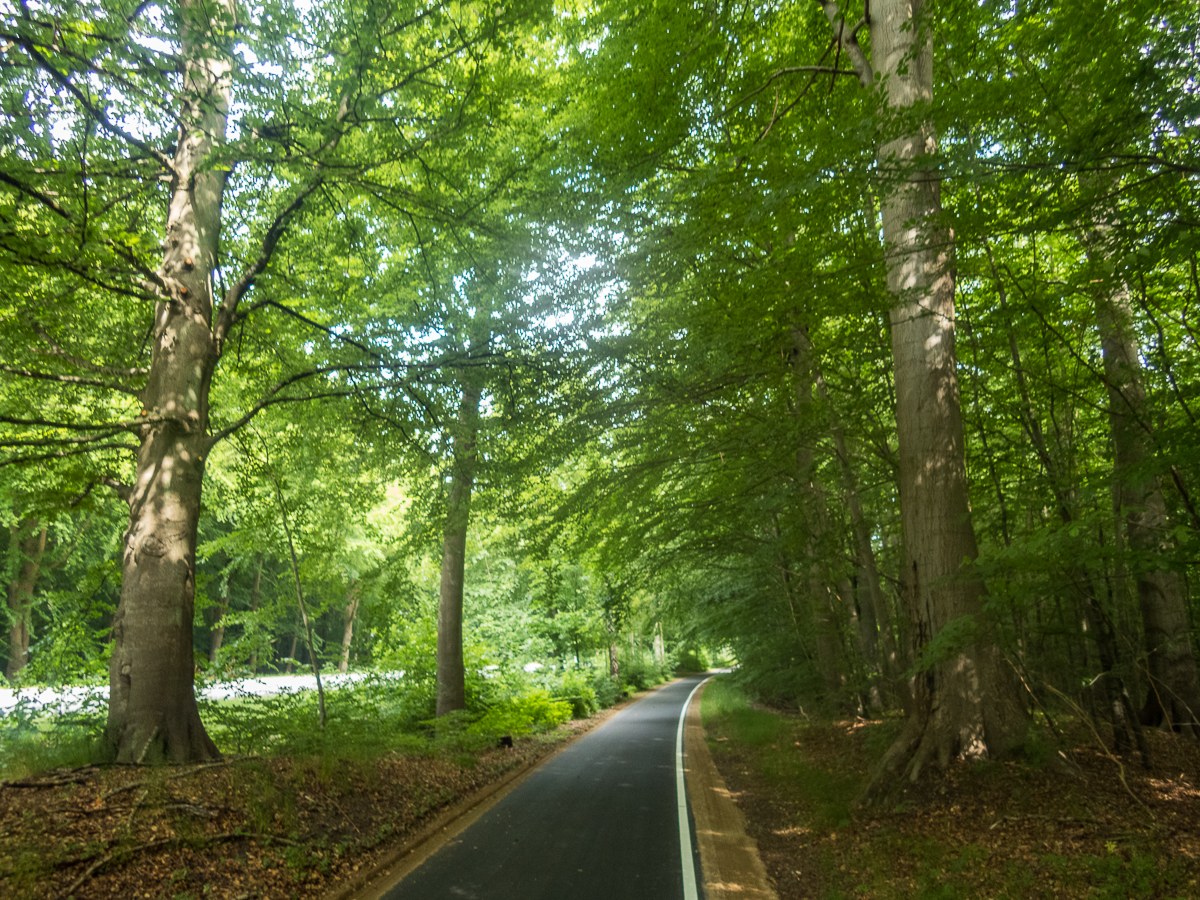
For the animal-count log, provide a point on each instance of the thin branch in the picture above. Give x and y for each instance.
(47, 457)
(122, 490)
(858, 59)
(225, 315)
(79, 361)
(263, 304)
(312, 653)
(270, 398)
(60, 441)
(154, 845)
(49, 202)
(72, 379)
(779, 73)
(96, 113)
(1084, 717)
(86, 426)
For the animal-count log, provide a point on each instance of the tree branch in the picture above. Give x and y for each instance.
(263, 304)
(270, 398)
(849, 43)
(123, 490)
(79, 361)
(110, 427)
(49, 202)
(72, 379)
(52, 442)
(98, 114)
(62, 454)
(229, 305)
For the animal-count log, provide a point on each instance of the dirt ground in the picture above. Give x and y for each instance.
(980, 830)
(252, 828)
(243, 829)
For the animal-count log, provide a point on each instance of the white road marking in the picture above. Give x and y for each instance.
(685, 831)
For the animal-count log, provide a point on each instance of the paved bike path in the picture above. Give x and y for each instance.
(599, 820)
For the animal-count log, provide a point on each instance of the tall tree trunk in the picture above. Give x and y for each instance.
(255, 593)
(1096, 623)
(217, 636)
(352, 598)
(1173, 696)
(451, 680)
(967, 702)
(152, 706)
(301, 606)
(30, 540)
(871, 602)
(832, 664)
(295, 643)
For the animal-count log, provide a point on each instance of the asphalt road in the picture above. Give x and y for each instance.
(599, 820)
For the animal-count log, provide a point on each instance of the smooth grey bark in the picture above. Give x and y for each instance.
(152, 707)
(29, 536)
(216, 636)
(352, 597)
(152, 710)
(966, 702)
(451, 679)
(1173, 691)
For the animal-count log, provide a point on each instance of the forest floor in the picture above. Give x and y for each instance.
(246, 828)
(253, 828)
(981, 830)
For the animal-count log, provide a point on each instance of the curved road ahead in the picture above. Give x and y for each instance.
(599, 820)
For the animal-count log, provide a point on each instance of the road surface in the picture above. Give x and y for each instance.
(599, 820)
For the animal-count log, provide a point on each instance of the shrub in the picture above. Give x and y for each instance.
(533, 711)
(641, 675)
(575, 687)
(691, 658)
(35, 739)
(606, 689)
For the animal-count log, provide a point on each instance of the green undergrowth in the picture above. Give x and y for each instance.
(33, 739)
(988, 830)
(378, 714)
(823, 795)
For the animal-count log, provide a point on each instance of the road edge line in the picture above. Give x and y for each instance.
(375, 881)
(687, 860)
(730, 864)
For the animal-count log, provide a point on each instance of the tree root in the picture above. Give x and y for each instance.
(162, 843)
(43, 783)
(192, 771)
(1033, 817)
(1103, 746)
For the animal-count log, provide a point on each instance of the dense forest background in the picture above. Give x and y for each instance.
(854, 345)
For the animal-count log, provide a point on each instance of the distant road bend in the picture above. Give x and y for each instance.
(606, 818)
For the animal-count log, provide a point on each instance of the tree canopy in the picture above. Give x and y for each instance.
(856, 343)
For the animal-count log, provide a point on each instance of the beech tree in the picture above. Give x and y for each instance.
(966, 702)
(29, 538)
(464, 460)
(123, 194)
(898, 384)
